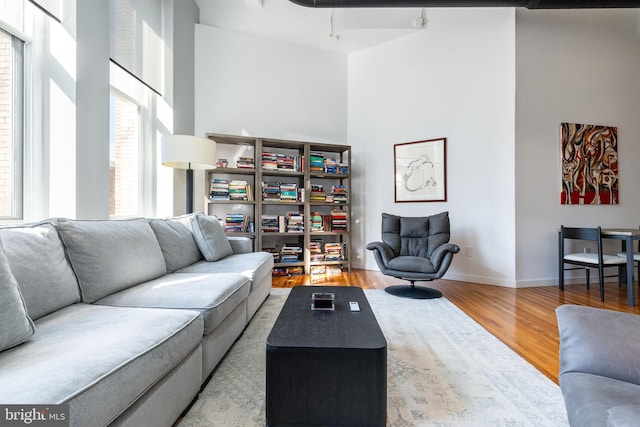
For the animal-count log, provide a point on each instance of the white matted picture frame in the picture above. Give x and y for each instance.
(420, 171)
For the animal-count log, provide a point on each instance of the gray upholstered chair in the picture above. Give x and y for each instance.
(414, 249)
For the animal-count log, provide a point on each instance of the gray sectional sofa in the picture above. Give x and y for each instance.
(122, 320)
(599, 369)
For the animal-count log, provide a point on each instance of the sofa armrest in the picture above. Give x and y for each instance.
(438, 255)
(382, 251)
(599, 342)
(241, 245)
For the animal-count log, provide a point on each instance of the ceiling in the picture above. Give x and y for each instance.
(347, 30)
(353, 29)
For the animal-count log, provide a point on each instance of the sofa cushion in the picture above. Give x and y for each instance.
(213, 296)
(589, 397)
(254, 265)
(109, 256)
(97, 357)
(15, 325)
(210, 237)
(37, 259)
(176, 241)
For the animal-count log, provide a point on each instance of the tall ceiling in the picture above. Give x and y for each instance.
(353, 29)
(350, 29)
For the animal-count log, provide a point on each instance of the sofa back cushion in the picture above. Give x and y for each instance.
(109, 256)
(210, 237)
(15, 324)
(37, 259)
(176, 240)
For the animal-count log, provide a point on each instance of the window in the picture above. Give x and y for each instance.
(131, 165)
(11, 125)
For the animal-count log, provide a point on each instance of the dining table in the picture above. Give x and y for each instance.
(627, 236)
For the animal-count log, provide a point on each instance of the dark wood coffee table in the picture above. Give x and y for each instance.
(326, 367)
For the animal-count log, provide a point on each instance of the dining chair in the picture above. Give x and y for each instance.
(587, 260)
(636, 255)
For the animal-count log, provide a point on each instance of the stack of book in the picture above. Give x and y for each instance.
(269, 161)
(333, 251)
(238, 190)
(330, 166)
(339, 194)
(219, 189)
(315, 249)
(271, 191)
(318, 269)
(317, 193)
(287, 162)
(316, 222)
(290, 253)
(269, 223)
(295, 222)
(236, 223)
(245, 163)
(316, 162)
(338, 220)
(288, 192)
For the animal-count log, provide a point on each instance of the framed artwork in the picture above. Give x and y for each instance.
(589, 164)
(420, 171)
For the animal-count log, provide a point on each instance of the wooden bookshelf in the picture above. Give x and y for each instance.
(288, 153)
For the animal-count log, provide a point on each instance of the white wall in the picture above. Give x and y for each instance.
(247, 85)
(572, 66)
(456, 79)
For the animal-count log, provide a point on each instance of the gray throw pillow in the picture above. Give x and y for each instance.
(210, 237)
(176, 241)
(15, 325)
(38, 262)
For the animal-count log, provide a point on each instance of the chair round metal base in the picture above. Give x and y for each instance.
(415, 292)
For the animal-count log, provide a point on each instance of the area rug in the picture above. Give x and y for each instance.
(443, 369)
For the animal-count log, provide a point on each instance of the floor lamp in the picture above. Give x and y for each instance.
(188, 152)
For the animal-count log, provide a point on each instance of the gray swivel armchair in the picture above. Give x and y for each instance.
(414, 249)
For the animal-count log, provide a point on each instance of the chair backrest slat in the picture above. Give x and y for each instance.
(580, 233)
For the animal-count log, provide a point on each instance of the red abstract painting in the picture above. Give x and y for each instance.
(589, 164)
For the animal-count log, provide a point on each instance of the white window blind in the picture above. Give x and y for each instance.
(135, 28)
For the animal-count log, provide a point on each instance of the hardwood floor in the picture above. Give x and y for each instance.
(524, 319)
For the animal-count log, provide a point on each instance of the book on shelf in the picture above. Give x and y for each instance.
(280, 192)
(236, 223)
(219, 189)
(279, 161)
(270, 191)
(339, 194)
(269, 224)
(316, 162)
(290, 253)
(224, 189)
(333, 251)
(295, 222)
(245, 163)
(317, 194)
(238, 190)
(338, 220)
(288, 192)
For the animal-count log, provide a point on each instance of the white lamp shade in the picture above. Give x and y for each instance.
(188, 152)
